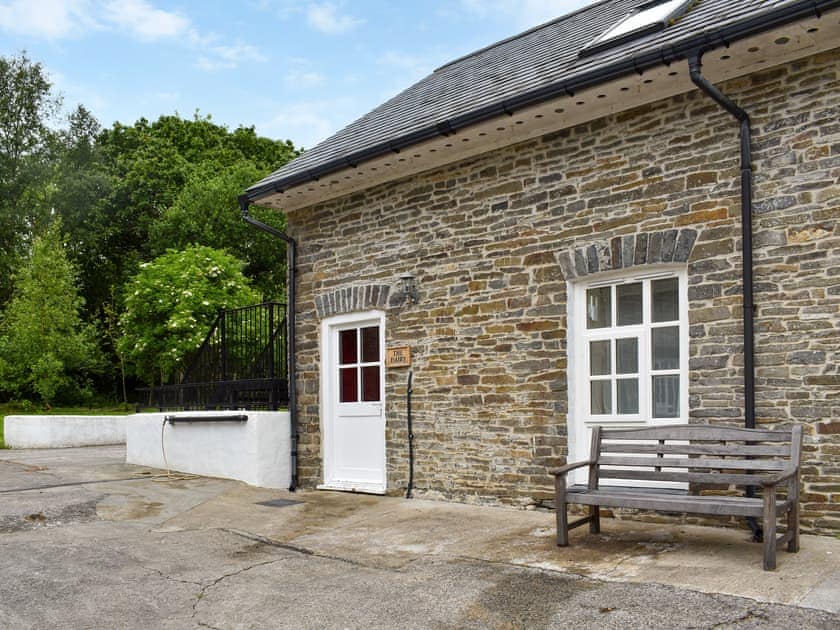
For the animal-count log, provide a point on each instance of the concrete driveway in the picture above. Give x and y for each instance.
(87, 541)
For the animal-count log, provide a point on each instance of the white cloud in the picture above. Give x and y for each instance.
(144, 21)
(304, 79)
(166, 97)
(47, 19)
(299, 74)
(223, 57)
(77, 93)
(56, 19)
(307, 123)
(524, 13)
(326, 18)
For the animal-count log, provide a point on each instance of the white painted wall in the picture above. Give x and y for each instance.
(257, 452)
(63, 431)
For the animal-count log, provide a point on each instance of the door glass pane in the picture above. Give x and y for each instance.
(628, 395)
(665, 348)
(629, 304)
(598, 307)
(627, 355)
(601, 397)
(665, 300)
(370, 344)
(348, 385)
(370, 383)
(599, 357)
(666, 396)
(347, 346)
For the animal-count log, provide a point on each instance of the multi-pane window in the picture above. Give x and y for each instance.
(633, 336)
(359, 365)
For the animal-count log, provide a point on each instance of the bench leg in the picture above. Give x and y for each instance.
(560, 511)
(769, 528)
(793, 526)
(594, 519)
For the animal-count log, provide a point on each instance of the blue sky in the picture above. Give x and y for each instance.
(294, 69)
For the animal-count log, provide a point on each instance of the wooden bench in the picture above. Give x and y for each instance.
(699, 455)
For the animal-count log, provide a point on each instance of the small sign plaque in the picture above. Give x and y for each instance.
(399, 356)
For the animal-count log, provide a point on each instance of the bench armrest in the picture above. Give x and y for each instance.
(772, 480)
(565, 469)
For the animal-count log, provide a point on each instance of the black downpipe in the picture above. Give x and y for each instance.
(408, 393)
(695, 67)
(291, 256)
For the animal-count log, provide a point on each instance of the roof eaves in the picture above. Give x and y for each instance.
(670, 53)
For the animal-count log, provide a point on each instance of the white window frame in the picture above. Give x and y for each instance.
(579, 337)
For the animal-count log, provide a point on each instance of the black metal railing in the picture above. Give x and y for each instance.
(242, 364)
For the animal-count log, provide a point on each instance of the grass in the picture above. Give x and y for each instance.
(22, 409)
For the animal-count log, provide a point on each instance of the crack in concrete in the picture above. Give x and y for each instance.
(747, 616)
(268, 541)
(203, 592)
(296, 549)
(167, 577)
(147, 568)
(522, 565)
(157, 528)
(71, 484)
(25, 466)
(516, 565)
(629, 556)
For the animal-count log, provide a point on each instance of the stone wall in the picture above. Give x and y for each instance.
(493, 241)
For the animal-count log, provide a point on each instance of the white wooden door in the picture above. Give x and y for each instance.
(354, 403)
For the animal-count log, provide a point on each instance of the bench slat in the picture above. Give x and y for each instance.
(696, 462)
(684, 477)
(720, 506)
(698, 449)
(702, 432)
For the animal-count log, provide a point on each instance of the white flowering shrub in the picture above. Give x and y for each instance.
(170, 305)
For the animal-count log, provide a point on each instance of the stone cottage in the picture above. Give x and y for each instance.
(626, 216)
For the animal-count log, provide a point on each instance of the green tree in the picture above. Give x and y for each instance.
(170, 305)
(206, 212)
(80, 194)
(115, 188)
(27, 105)
(46, 352)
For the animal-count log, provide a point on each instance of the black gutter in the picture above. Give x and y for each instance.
(664, 55)
(695, 67)
(291, 371)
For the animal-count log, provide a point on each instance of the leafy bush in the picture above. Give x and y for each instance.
(46, 352)
(171, 304)
(206, 212)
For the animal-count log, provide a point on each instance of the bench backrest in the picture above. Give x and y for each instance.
(696, 454)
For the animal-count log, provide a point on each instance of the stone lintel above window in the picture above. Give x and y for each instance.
(630, 250)
(352, 299)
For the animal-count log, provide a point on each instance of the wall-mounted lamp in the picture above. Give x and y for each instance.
(407, 288)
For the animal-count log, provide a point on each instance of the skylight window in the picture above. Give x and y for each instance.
(649, 18)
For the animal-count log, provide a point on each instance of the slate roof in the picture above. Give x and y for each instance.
(537, 65)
